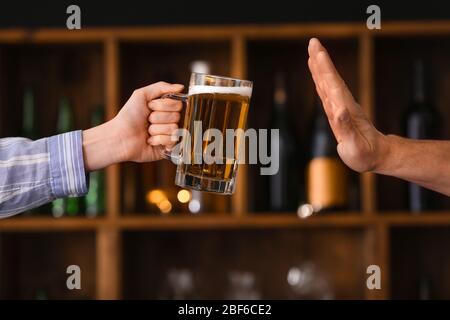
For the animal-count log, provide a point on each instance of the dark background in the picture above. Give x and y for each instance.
(156, 12)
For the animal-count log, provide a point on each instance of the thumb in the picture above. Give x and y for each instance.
(342, 125)
(158, 89)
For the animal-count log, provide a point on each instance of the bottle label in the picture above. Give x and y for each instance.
(327, 183)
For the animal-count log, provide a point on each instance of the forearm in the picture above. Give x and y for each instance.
(35, 172)
(102, 146)
(425, 162)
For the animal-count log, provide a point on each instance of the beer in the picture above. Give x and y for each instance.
(212, 107)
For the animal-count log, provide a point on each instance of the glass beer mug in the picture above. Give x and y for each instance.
(208, 154)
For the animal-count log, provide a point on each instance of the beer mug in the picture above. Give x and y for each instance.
(208, 154)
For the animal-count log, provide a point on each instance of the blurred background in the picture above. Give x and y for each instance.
(309, 232)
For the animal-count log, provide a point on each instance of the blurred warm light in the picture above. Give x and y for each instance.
(165, 206)
(155, 196)
(184, 196)
(305, 210)
(194, 206)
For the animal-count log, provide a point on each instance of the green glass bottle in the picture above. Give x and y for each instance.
(28, 124)
(67, 206)
(95, 199)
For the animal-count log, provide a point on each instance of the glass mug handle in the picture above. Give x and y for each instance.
(169, 154)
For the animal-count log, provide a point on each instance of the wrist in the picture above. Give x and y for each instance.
(101, 146)
(385, 157)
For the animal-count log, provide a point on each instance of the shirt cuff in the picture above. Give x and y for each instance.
(69, 178)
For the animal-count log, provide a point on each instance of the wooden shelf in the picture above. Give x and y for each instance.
(254, 221)
(407, 219)
(22, 224)
(259, 220)
(218, 32)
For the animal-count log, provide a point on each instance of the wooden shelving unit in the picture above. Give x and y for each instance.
(373, 227)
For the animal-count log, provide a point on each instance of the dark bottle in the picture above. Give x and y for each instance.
(69, 206)
(420, 123)
(327, 184)
(95, 199)
(282, 185)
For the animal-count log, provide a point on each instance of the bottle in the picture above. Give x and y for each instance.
(282, 196)
(28, 115)
(67, 206)
(95, 199)
(28, 124)
(420, 123)
(327, 177)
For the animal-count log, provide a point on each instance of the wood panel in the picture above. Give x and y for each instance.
(267, 254)
(420, 263)
(34, 265)
(366, 100)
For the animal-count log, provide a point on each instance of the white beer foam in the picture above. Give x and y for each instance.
(243, 91)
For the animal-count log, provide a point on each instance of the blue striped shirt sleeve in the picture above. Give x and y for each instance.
(35, 172)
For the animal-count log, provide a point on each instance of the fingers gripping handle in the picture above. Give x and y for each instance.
(172, 155)
(176, 96)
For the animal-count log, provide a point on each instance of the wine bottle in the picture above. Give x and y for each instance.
(95, 199)
(421, 123)
(67, 206)
(327, 177)
(281, 185)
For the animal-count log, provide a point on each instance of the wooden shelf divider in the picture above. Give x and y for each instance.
(112, 102)
(109, 238)
(376, 243)
(108, 263)
(366, 97)
(239, 70)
